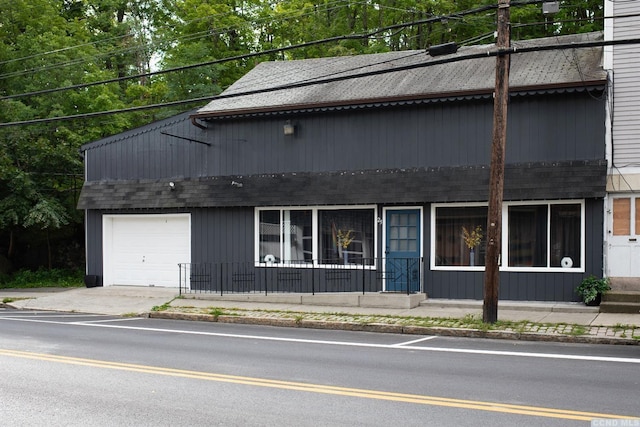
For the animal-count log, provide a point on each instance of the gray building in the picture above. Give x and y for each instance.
(361, 173)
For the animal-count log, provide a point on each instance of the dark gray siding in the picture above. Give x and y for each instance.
(226, 236)
(521, 286)
(561, 132)
(217, 235)
(169, 148)
(567, 126)
(93, 248)
(222, 235)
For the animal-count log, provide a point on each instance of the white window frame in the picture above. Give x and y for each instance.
(505, 237)
(432, 239)
(315, 236)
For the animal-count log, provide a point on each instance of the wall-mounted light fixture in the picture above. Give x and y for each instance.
(288, 128)
(172, 185)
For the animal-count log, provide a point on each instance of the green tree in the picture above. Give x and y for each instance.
(203, 31)
(47, 44)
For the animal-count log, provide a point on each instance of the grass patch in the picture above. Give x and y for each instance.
(619, 327)
(162, 307)
(216, 312)
(55, 278)
(578, 330)
(9, 300)
(469, 321)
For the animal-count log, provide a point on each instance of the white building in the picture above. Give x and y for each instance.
(622, 227)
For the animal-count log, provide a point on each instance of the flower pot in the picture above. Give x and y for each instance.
(596, 301)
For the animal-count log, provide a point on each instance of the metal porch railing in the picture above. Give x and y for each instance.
(401, 275)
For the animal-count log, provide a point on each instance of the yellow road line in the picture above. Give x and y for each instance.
(318, 388)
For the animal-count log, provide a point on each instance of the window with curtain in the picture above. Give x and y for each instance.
(339, 236)
(540, 235)
(528, 236)
(285, 236)
(565, 235)
(346, 236)
(546, 235)
(452, 224)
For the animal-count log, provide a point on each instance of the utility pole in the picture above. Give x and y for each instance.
(496, 179)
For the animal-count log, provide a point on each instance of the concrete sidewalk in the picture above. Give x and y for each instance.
(569, 322)
(113, 300)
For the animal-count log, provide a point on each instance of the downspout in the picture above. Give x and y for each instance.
(194, 121)
(608, 132)
(84, 155)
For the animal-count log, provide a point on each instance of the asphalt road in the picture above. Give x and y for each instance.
(81, 370)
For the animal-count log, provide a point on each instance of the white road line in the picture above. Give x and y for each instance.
(346, 343)
(120, 319)
(46, 315)
(402, 344)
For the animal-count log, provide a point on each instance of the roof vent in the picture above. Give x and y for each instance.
(443, 49)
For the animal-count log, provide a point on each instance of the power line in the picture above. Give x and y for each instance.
(189, 37)
(491, 53)
(270, 51)
(156, 44)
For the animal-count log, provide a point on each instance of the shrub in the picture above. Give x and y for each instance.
(590, 287)
(42, 278)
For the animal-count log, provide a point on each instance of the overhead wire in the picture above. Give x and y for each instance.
(270, 19)
(488, 53)
(207, 32)
(187, 37)
(256, 54)
(159, 43)
(245, 56)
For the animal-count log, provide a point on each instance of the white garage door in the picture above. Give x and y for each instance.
(144, 250)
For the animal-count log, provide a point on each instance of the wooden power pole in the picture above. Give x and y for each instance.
(496, 179)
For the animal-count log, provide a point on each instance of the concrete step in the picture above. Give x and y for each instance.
(620, 307)
(621, 296)
(625, 284)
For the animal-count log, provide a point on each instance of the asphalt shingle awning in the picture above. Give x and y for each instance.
(535, 181)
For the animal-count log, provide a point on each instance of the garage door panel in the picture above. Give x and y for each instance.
(145, 250)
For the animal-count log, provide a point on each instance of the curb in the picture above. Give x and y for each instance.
(391, 329)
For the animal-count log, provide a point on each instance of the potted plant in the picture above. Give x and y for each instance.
(344, 240)
(471, 240)
(591, 289)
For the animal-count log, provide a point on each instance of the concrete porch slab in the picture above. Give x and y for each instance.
(387, 300)
(346, 299)
(258, 298)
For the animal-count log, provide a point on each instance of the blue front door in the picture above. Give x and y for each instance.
(402, 251)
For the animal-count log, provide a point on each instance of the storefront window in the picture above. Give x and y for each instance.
(539, 235)
(528, 236)
(456, 228)
(346, 236)
(339, 236)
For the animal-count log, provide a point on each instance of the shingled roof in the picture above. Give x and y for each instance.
(422, 77)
